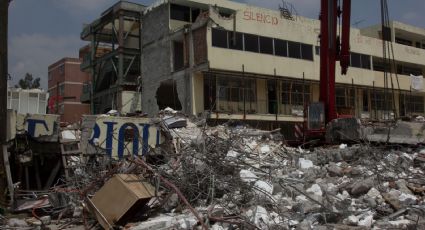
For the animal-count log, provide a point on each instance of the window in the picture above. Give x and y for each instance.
(365, 61)
(181, 13)
(378, 65)
(345, 97)
(294, 49)
(415, 104)
(50, 76)
(266, 45)
(365, 100)
(251, 43)
(235, 40)
(356, 60)
(236, 94)
(219, 38)
(195, 14)
(178, 55)
(317, 50)
(418, 44)
(280, 48)
(403, 41)
(235, 89)
(407, 70)
(359, 60)
(62, 69)
(61, 90)
(294, 94)
(307, 52)
(381, 101)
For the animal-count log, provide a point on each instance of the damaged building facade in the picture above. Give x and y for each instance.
(112, 59)
(235, 61)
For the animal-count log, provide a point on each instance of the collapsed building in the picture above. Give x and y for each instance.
(236, 61)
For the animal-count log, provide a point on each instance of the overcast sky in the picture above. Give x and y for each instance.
(44, 31)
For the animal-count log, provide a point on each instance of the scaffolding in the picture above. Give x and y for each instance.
(113, 56)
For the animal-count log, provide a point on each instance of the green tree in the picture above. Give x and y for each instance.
(28, 82)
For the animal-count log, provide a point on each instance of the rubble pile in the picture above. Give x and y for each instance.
(233, 177)
(236, 177)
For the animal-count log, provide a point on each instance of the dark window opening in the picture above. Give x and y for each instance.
(235, 40)
(418, 44)
(167, 96)
(219, 38)
(317, 49)
(178, 55)
(407, 70)
(381, 101)
(251, 43)
(294, 49)
(356, 60)
(365, 100)
(209, 92)
(225, 15)
(403, 41)
(281, 48)
(386, 34)
(266, 45)
(378, 65)
(307, 52)
(365, 61)
(181, 13)
(195, 14)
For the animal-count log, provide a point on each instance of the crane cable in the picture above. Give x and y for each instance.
(389, 61)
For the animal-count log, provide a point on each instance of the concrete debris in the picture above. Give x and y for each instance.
(234, 177)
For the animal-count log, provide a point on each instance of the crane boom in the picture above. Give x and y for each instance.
(332, 48)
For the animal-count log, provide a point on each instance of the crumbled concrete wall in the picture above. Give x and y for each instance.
(157, 59)
(155, 55)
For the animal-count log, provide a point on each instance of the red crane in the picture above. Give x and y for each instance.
(333, 48)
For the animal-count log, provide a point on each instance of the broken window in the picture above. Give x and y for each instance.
(167, 96)
(178, 55)
(281, 47)
(307, 52)
(251, 43)
(235, 40)
(266, 45)
(294, 49)
(181, 13)
(219, 38)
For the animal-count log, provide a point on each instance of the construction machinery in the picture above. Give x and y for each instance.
(322, 117)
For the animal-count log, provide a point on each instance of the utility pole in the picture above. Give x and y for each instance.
(4, 4)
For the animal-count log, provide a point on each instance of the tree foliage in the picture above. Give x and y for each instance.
(28, 82)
